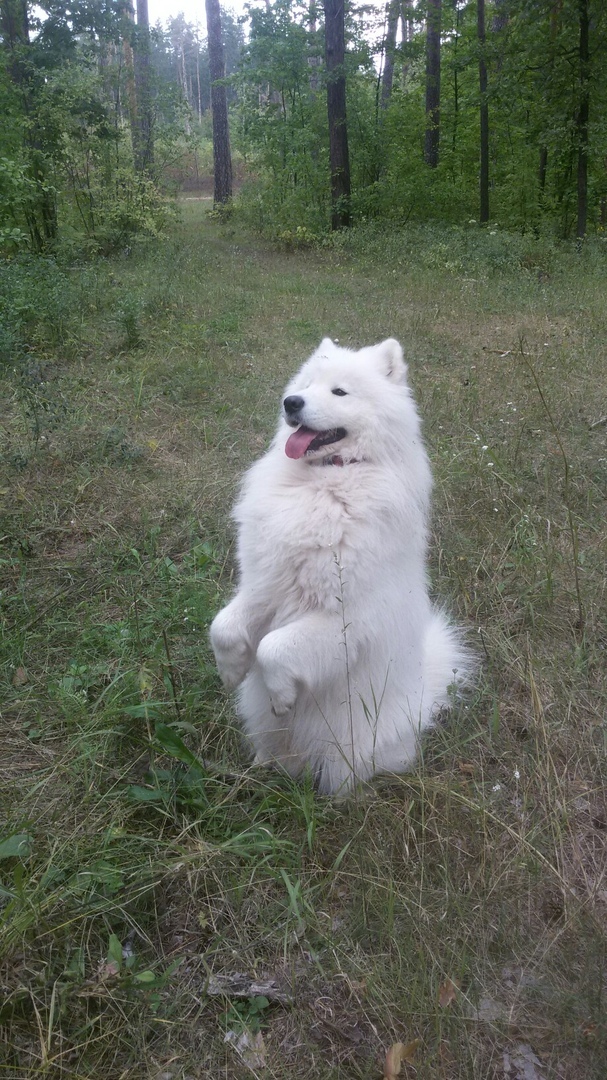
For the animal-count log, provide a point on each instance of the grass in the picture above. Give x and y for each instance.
(144, 864)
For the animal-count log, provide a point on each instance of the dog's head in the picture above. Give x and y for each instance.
(346, 403)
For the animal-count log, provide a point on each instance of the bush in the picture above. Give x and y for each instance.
(36, 302)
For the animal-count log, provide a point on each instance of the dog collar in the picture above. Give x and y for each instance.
(335, 459)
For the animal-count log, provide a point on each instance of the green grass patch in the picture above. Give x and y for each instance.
(165, 909)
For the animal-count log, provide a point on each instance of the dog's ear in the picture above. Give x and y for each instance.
(389, 354)
(325, 345)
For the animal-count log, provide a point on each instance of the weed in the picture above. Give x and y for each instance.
(128, 318)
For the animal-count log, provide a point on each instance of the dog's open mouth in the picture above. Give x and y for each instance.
(304, 440)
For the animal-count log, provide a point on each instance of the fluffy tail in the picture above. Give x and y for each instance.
(447, 662)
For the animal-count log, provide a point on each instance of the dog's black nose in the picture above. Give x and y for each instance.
(293, 404)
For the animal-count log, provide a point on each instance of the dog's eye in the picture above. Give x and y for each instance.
(339, 392)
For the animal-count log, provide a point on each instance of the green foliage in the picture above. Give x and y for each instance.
(17, 198)
(36, 304)
(281, 125)
(535, 88)
(67, 176)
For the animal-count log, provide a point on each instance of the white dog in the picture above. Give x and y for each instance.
(340, 658)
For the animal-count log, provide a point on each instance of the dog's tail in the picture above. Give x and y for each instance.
(448, 662)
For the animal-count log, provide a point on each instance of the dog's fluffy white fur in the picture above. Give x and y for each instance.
(340, 659)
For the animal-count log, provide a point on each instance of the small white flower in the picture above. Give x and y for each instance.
(490, 464)
(496, 787)
(484, 447)
(517, 774)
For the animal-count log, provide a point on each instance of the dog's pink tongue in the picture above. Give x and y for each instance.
(297, 443)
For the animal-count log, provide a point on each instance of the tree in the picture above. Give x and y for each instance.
(335, 54)
(392, 17)
(433, 59)
(222, 157)
(40, 206)
(582, 119)
(143, 134)
(484, 115)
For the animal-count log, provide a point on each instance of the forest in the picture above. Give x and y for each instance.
(445, 111)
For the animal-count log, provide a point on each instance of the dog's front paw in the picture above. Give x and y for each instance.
(281, 686)
(232, 655)
(233, 667)
(281, 705)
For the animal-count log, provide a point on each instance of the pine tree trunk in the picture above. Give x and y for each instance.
(222, 158)
(143, 140)
(393, 15)
(582, 120)
(335, 54)
(484, 116)
(432, 139)
(128, 17)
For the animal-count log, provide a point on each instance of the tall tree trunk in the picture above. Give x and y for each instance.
(456, 38)
(484, 115)
(393, 14)
(314, 59)
(432, 139)
(335, 55)
(542, 170)
(408, 29)
(128, 20)
(199, 98)
(14, 28)
(41, 210)
(582, 119)
(143, 142)
(222, 158)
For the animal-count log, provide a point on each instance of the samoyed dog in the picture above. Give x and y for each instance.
(339, 657)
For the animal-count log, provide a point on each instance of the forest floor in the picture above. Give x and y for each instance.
(167, 911)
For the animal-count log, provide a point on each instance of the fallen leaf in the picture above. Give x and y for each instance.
(242, 986)
(491, 1010)
(108, 970)
(522, 1064)
(20, 677)
(250, 1048)
(398, 1053)
(447, 993)
(466, 767)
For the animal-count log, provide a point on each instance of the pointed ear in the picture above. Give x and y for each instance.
(390, 355)
(325, 344)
